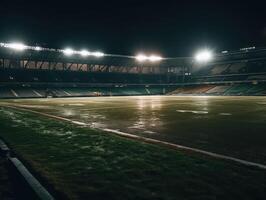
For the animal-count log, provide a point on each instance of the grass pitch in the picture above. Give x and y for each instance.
(84, 163)
(233, 126)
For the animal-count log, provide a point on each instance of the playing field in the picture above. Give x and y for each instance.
(82, 160)
(234, 126)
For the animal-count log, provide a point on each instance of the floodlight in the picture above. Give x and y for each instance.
(204, 56)
(97, 54)
(68, 52)
(141, 57)
(85, 53)
(16, 46)
(154, 58)
(37, 48)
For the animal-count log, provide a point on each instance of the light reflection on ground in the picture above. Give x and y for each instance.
(228, 125)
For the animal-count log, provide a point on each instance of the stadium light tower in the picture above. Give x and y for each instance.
(204, 56)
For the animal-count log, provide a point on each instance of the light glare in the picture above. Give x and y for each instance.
(141, 57)
(84, 53)
(68, 52)
(16, 46)
(97, 54)
(37, 48)
(204, 56)
(154, 58)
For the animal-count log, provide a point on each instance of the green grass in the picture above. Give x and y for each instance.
(83, 163)
(233, 126)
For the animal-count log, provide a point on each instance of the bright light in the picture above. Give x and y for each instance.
(204, 56)
(141, 57)
(152, 58)
(155, 58)
(37, 48)
(68, 51)
(84, 53)
(16, 46)
(97, 54)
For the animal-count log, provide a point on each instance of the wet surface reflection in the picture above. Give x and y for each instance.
(219, 124)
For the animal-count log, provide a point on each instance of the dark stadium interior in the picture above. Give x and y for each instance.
(132, 100)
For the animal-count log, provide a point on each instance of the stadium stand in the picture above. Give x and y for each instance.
(243, 89)
(236, 68)
(239, 89)
(41, 75)
(195, 89)
(6, 93)
(218, 90)
(25, 92)
(81, 92)
(218, 69)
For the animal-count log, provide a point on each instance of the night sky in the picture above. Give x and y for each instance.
(169, 28)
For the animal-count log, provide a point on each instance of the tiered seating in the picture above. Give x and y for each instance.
(60, 92)
(128, 91)
(29, 75)
(195, 90)
(256, 89)
(218, 90)
(238, 89)
(39, 91)
(227, 90)
(155, 91)
(6, 93)
(263, 90)
(25, 92)
(82, 91)
(219, 69)
(236, 71)
(236, 67)
(257, 77)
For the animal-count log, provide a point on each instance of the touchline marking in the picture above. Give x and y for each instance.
(193, 111)
(148, 140)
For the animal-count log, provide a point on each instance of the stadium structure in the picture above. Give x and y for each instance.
(40, 73)
(176, 128)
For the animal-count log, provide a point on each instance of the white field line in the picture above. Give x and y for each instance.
(193, 111)
(149, 140)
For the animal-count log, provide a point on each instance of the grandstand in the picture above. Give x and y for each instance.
(41, 74)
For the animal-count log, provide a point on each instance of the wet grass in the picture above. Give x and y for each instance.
(83, 163)
(232, 126)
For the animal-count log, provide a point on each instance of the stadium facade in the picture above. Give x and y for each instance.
(32, 73)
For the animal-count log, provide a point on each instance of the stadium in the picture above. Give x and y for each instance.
(132, 100)
(105, 126)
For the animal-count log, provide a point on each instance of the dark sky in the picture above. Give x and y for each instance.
(171, 28)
